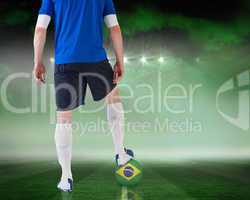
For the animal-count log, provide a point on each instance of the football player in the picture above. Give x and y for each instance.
(81, 60)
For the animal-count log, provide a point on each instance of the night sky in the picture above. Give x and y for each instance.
(221, 10)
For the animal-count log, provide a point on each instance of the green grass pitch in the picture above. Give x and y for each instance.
(167, 180)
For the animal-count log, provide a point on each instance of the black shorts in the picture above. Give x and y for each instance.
(71, 82)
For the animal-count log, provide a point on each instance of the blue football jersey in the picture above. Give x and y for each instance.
(78, 28)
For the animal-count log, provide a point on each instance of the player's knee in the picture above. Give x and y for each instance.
(113, 97)
(64, 117)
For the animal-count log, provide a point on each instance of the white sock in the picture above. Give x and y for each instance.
(115, 115)
(63, 140)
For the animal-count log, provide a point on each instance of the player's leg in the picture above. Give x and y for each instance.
(101, 85)
(63, 140)
(70, 88)
(115, 117)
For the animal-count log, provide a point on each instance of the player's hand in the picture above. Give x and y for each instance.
(118, 72)
(39, 72)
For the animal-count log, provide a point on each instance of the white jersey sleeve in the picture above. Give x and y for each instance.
(43, 21)
(111, 20)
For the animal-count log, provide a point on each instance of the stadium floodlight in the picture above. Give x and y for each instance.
(143, 59)
(125, 59)
(161, 60)
(52, 60)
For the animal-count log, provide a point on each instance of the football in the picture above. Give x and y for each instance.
(129, 174)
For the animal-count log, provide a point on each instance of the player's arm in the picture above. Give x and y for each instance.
(117, 43)
(39, 43)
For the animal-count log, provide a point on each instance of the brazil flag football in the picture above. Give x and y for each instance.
(129, 174)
